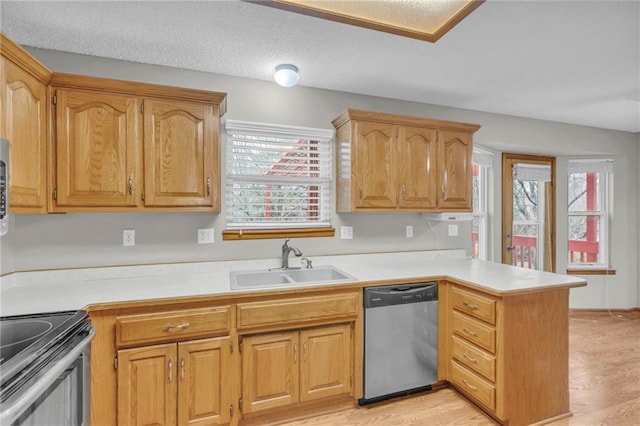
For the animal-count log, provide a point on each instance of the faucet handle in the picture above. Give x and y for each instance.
(306, 262)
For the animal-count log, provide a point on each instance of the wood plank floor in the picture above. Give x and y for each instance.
(604, 384)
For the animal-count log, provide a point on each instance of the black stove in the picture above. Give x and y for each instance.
(28, 341)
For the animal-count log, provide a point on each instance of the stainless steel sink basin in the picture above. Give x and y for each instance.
(275, 277)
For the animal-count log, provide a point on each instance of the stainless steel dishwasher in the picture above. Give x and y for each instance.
(400, 340)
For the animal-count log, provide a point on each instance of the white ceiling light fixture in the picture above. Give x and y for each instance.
(286, 75)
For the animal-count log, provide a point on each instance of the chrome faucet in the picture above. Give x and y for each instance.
(286, 249)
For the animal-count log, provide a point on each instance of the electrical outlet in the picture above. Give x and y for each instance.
(129, 237)
(346, 232)
(409, 231)
(453, 230)
(205, 236)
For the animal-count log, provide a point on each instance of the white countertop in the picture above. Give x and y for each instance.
(71, 289)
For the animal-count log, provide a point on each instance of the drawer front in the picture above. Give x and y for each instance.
(172, 326)
(474, 358)
(302, 309)
(473, 304)
(475, 331)
(473, 385)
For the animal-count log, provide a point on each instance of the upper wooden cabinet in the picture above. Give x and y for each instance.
(390, 162)
(125, 146)
(23, 121)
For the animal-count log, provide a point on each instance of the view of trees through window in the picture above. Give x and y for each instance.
(526, 222)
(585, 216)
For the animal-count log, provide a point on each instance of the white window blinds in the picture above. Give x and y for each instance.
(537, 172)
(277, 176)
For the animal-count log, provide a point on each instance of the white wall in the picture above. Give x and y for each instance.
(82, 239)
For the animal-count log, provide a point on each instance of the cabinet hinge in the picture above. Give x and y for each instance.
(115, 363)
(351, 329)
(240, 346)
(240, 404)
(231, 410)
(142, 108)
(350, 380)
(54, 100)
(231, 346)
(142, 195)
(55, 194)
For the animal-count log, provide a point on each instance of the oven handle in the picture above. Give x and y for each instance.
(12, 410)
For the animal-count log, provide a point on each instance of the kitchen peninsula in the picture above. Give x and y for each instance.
(503, 336)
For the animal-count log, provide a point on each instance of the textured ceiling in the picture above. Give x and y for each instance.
(568, 61)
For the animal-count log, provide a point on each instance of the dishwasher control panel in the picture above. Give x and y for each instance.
(400, 294)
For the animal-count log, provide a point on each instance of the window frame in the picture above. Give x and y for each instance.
(322, 228)
(605, 168)
(483, 160)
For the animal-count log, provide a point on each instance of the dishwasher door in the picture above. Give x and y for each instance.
(401, 341)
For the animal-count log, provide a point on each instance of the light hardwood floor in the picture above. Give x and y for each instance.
(604, 384)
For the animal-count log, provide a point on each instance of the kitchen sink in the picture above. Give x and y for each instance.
(276, 277)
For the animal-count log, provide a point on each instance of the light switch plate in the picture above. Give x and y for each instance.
(453, 230)
(409, 231)
(205, 236)
(346, 232)
(129, 237)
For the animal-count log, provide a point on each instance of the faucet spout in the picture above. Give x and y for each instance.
(286, 249)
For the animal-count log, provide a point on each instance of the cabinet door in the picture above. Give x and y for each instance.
(97, 150)
(374, 168)
(417, 181)
(147, 385)
(181, 155)
(203, 382)
(456, 172)
(326, 367)
(24, 124)
(270, 376)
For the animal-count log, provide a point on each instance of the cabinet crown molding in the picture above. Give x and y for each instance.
(406, 120)
(16, 54)
(81, 82)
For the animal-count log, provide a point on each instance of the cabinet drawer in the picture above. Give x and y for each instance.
(298, 310)
(474, 358)
(475, 331)
(473, 385)
(174, 325)
(473, 304)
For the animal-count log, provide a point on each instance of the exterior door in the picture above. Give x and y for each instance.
(528, 225)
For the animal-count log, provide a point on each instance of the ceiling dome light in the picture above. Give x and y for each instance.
(286, 75)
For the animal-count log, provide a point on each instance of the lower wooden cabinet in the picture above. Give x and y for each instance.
(182, 383)
(284, 368)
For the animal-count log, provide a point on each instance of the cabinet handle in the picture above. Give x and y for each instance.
(208, 186)
(471, 359)
(471, 332)
(471, 306)
(130, 184)
(304, 351)
(295, 352)
(360, 191)
(404, 192)
(170, 369)
(169, 327)
(182, 363)
(469, 385)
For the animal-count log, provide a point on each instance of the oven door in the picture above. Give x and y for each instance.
(58, 395)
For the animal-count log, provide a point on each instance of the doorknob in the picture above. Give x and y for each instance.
(509, 248)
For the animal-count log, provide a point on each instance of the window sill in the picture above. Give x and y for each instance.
(603, 271)
(262, 234)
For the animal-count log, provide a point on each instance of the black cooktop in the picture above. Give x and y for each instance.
(24, 338)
